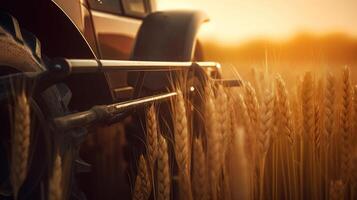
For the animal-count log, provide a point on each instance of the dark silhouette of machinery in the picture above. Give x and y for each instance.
(92, 64)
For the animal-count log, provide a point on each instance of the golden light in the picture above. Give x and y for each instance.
(237, 20)
(192, 88)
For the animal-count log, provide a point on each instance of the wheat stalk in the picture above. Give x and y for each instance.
(319, 140)
(307, 101)
(20, 141)
(354, 174)
(337, 190)
(250, 100)
(200, 183)
(256, 83)
(55, 183)
(223, 120)
(213, 141)
(246, 124)
(142, 189)
(319, 114)
(181, 134)
(329, 127)
(264, 135)
(182, 145)
(163, 170)
(286, 127)
(249, 142)
(266, 123)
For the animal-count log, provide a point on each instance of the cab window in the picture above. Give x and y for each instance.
(135, 8)
(109, 6)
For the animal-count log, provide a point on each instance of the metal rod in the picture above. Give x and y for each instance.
(229, 82)
(142, 101)
(88, 66)
(105, 112)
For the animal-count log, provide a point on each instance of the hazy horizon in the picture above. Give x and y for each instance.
(238, 20)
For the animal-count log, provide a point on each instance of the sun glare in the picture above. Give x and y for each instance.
(237, 20)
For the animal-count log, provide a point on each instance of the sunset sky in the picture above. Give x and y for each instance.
(239, 20)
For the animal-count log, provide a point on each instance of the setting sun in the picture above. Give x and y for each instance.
(237, 20)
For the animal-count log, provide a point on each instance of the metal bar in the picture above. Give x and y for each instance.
(105, 112)
(229, 82)
(142, 101)
(88, 66)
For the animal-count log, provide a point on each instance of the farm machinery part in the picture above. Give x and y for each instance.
(60, 68)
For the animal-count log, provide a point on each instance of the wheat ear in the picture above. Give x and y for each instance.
(55, 183)
(346, 119)
(213, 141)
(151, 135)
(249, 144)
(243, 114)
(256, 84)
(307, 148)
(181, 134)
(337, 190)
(20, 141)
(354, 136)
(329, 107)
(142, 189)
(182, 146)
(251, 101)
(163, 170)
(199, 174)
(297, 110)
(264, 135)
(286, 125)
(307, 94)
(266, 123)
(319, 114)
(223, 121)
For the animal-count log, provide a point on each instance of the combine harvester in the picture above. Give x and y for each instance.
(85, 63)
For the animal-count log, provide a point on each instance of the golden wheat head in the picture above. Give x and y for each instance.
(142, 189)
(20, 141)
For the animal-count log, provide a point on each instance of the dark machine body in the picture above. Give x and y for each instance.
(93, 66)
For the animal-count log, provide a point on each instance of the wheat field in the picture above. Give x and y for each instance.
(263, 140)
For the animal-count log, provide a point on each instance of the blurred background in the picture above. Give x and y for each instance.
(277, 34)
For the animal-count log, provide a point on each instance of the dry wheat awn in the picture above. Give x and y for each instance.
(142, 189)
(285, 121)
(163, 170)
(223, 121)
(251, 101)
(182, 145)
(181, 134)
(151, 135)
(55, 183)
(20, 141)
(329, 106)
(346, 120)
(200, 184)
(213, 141)
(264, 135)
